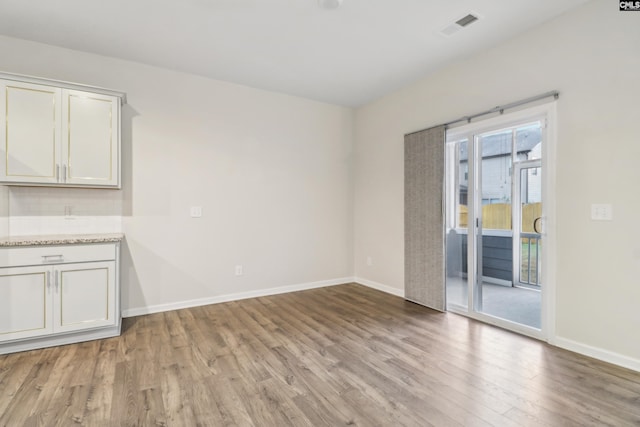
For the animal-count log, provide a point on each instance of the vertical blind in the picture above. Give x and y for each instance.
(424, 217)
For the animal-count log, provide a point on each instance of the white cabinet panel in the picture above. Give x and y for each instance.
(30, 130)
(15, 257)
(58, 136)
(24, 304)
(85, 295)
(90, 138)
(60, 302)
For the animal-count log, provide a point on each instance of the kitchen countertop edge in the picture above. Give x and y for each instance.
(60, 239)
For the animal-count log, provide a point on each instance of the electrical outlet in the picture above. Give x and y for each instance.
(369, 261)
(196, 211)
(601, 212)
(68, 213)
(239, 270)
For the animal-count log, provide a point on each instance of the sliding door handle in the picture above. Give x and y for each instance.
(536, 224)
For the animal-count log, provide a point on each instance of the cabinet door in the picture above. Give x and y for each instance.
(29, 132)
(91, 139)
(84, 296)
(24, 302)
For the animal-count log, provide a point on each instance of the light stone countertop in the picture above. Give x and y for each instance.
(60, 239)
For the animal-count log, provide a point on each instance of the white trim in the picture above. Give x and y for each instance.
(497, 322)
(158, 308)
(64, 84)
(549, 232)
(598, 353)
(379, 286)
(496, 281)
(486, 232)
(509, 119)
(54, 340)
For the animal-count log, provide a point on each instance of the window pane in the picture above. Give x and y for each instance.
(463, 184)
(497, 166)
(529, 142)
(530, 254)
(457, 228)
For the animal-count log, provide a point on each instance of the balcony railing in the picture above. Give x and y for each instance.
(530, 259)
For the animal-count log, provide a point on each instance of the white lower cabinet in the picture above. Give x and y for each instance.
(61, 301)
(84, 296)
(25, 302)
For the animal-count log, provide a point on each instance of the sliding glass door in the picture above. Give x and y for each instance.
(457, 224)
(494, 223)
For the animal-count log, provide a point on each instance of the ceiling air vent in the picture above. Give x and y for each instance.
(463, 22)
(459, 24)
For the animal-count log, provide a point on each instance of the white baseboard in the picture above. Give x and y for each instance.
(139, 311)
(597, 353)
(379, 286)
(586, 350)
(55, 340)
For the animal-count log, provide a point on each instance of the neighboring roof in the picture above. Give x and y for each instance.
(500, 144)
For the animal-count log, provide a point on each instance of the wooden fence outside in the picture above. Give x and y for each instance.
(498, 216)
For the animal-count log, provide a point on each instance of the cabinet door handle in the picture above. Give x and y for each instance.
(58, 173)
(52, 258)
(56, 284)
(64, 172)
(48, 280)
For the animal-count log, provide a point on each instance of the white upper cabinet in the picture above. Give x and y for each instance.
(30, 132)
(58, 136)
(90, 147)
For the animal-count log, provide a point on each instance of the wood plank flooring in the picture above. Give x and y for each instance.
(338, 356)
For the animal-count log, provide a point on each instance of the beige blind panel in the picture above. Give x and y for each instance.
(424, 217)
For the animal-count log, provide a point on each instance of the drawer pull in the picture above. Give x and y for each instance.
(52, 258)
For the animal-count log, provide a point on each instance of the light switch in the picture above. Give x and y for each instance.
(196, 211)
(601, 212)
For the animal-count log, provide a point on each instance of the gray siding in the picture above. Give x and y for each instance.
(497, 256)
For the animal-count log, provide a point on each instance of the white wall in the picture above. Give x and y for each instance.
(591, 56)
(272, 173)
(46, 210)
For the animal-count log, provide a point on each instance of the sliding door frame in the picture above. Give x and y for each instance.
(546, 113)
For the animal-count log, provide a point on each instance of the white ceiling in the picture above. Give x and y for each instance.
(347, 56)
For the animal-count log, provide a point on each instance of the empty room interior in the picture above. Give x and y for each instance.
(319, 213)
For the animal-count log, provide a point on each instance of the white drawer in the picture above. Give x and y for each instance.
(44, 255)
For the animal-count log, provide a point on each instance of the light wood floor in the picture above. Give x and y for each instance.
(338, 356)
